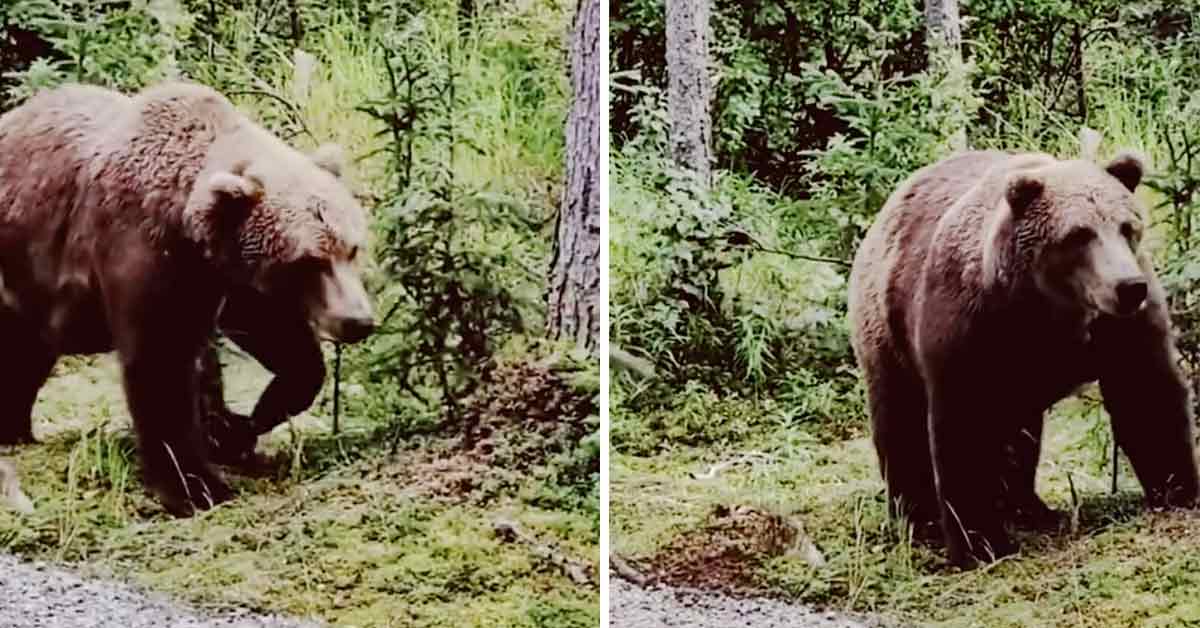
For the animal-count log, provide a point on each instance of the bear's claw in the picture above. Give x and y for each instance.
(231, 439)
(200, 494)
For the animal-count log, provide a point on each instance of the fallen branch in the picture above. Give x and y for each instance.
(620, 358)
(579, 572)
(716, 469)
(11, 494)
(742, 237)
(623, 569)
(808, 258)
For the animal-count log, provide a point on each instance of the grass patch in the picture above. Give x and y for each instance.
(351, 535)
(1120, 566)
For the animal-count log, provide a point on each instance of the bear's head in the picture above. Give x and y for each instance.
(284, 223)
(1073, 228)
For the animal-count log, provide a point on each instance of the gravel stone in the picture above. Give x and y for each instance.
(37, 595)
(631, 606)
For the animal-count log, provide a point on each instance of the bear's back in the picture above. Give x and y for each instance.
(889, 263)
(46, 142)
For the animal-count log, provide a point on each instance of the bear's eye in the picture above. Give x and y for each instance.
(1129, 232)
(1079, 237)
(311, 264)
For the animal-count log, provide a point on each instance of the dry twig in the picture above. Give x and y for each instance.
(624, 570)
(716, 469)
(11, 494)
(578, 571)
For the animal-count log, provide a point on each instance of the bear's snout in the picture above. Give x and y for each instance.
(1131, 294)
(341, 310)
(355, 329)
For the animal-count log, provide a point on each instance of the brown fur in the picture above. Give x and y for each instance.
(975, 305)
(124, 223)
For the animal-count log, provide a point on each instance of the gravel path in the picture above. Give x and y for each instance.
(34, 595)
(631, 606)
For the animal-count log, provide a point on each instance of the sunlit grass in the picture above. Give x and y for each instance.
(359, 543)
(1123, 566)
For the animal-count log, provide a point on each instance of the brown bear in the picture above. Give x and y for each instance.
(990, 286)
(126, 221)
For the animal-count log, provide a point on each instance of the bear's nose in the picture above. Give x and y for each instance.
(1130, 295)
(356, 329)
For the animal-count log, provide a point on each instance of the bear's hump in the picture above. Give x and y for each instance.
(177, 103)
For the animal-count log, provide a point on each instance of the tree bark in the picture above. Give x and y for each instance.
(297, 26)
(1077, 44)
(689, 91)
(573, 295)
(943, 34)
(943, 25)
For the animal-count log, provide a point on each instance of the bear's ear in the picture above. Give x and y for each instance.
(236, 186)
(1022, 190)
(1128, 169)
(329, 157)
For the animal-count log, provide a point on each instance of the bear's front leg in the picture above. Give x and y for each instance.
(282, 340)
(160, 319)
(966, 451)
(1149, 403)
(161, 397)
(1022, 451)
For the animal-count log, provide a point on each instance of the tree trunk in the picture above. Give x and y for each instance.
(689, 93)
(297, 26)
(943, 26)
(1077, 44)
(943, 34)
(573, 295)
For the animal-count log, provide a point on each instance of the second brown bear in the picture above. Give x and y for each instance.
(990, 286)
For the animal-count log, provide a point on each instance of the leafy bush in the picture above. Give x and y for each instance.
(455, 303)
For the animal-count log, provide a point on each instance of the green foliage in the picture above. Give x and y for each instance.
(121, 45)
(456, 304)
(894, 126)
(1178, 184)
(765, 118)
(693, 289)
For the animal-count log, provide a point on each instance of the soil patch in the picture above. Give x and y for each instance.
(725, 554)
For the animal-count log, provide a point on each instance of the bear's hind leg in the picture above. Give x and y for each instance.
(898, 412)
(26, 365)
(230, 437)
